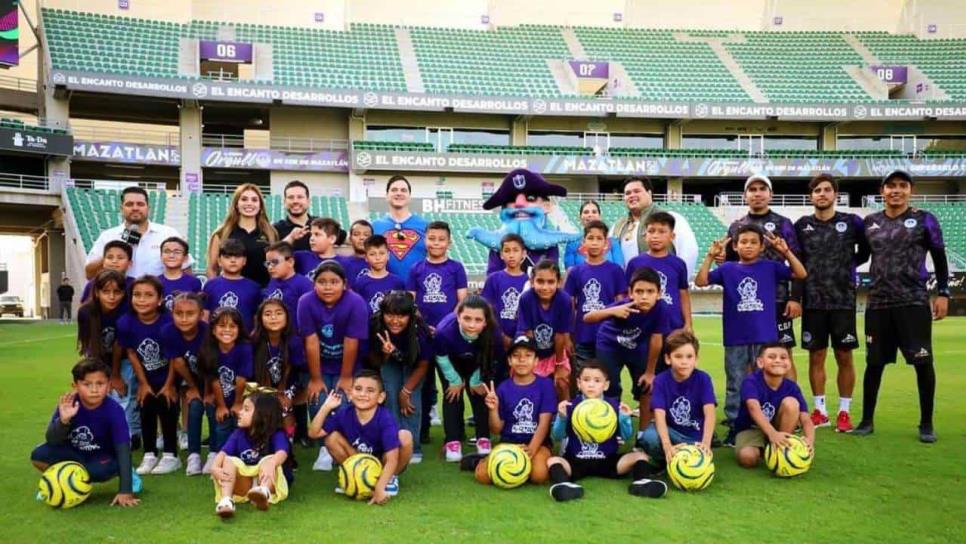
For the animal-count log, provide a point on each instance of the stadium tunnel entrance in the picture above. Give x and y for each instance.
(35, 273)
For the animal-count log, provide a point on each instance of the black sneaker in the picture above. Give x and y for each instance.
(865, 428)
(654, 489)
(715, 441)
(566, 491)
(729, 441)
(470, 460)
(651, 471)
(926, 434)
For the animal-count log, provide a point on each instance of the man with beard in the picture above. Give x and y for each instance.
(294, 227)
(524, 198)
(833, 244)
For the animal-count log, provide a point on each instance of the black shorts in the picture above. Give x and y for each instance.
(605, 467)
(819, 325)
(786, 332)
(907, 328)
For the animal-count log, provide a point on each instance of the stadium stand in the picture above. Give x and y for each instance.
(952, 219)
(662, 67)
(944, 61)
(97, 209)
(362, 145)
(17, 124)
(800, 66)
(508, 61)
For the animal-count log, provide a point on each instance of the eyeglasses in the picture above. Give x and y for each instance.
(273, 262)
(173, 252)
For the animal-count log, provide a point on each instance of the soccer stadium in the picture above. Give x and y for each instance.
(190, 99)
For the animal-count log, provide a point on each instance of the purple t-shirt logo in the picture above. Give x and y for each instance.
(376, 300)
(228, 300)
(748, 291)
(628, 337)
(590, 450)
(434, 284)
(275, 295)
(681, 413)
(769, 410)
(665, 296)
(150, 353)
(523, 413)
(226, 377)
(82, 439)
(592, 300)
(543, 335)
(511, 302)
(249, 456)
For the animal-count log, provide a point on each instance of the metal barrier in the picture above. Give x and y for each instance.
(738, 199)
(20, 181)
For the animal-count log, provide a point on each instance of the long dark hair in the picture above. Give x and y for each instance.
(208, 365)
(89, 339)
(155, 284)
(266, 421)
(260, 341)
(485, 354)
(397, 303)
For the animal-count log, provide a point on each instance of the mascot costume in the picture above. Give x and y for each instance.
(524, 199)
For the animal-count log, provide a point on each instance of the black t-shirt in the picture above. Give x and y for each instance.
(65, 293)
(255, 244)
(284, 227)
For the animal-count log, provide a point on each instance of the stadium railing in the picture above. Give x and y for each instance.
(18, 84)
(20, 181)
(141, 136)
(875, 201)
(738, 199)
(617, 197)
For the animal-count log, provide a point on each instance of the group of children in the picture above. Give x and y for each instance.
(339, 349)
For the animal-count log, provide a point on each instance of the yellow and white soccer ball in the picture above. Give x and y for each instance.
(594, 421)
(788, 461)
(691, 469)
(358, 476)
(508, 466)
(65, 484)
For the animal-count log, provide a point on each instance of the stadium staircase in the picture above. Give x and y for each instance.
(407, 58)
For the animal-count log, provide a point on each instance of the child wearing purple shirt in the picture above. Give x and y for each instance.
(356, 265)
(117, 256)
(139, 334)
(546, 314)
(90, 428)
(593, 284)
(581, 459)
(502, 289)
(231, 289)
(174, 254)
(669, 267)
(521, 409)
(683, 403)
(335, 325)
(772, 407)
(365, 427)
(632, 335)
(324, 233)
(255, 463)
(377, 282)
(438, 283)
(749, 302)
(285, 284)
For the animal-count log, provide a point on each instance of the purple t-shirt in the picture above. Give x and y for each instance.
(462, 353)
(754, 387)
(242, 294)
(126, 304)
(545, 323)
(174, 345)
(276, 364)
(503, 292)
(674, 277)
(373, 290)
(534, 256)
(347, 318)
(593, 287)
(98, 430)
(379, 435)
(237, 363)
(355, 267)
(108, 328)
(749, 300)
(307, 261)
(631, 337)
(581, 450)
(683, 402)
(435, 285)
(146, 341)
(240, 445)
(289, 292)
(521, 407)
(185, 284)
(773, 223)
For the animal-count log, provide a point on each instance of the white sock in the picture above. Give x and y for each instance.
(845, 404)
(820, 404)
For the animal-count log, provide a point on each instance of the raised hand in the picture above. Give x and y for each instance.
(624, 310)
(68, 407)
(719, 247)
(491, 400)
(387, 346)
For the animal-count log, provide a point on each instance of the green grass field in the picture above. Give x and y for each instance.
(883, 488)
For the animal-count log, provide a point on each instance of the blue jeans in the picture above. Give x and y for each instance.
(101, 466)
(223, 430)
(196, 410)
(331, 381)
(393, 378)
(739, 362)
(584, 351)
(614, 362)
(651, 442)
(129, 402)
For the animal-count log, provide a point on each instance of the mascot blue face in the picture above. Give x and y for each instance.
(524, 214)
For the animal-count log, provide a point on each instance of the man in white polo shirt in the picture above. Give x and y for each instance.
(145, 237)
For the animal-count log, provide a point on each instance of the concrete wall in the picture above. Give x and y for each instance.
(710, 14)
(834, 15)
(557, 12)
(449, 13)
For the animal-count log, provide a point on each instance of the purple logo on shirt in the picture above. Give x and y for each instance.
(591, 292)
(275, 295)
(769, 410)
(748, 291)
(361, 446)
(589, 450)
(83, 439)
(681, 413)
(228, 300)
(150, 353)
(523, 413)
(226, 378)
(376, 300)
(664, 294)
(511, 302)
(249, 456)
(543, 335)
(628, 338)
(433, 285)
(328, 330)
(107, 338)
(275, 369)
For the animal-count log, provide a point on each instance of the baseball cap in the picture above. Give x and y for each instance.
(522, 341)
(901, 174)
(758, 177)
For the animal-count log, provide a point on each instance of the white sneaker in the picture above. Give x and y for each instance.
(323, 462)
(454, 452)
(147, 464)
(168, 464)
(392, 486)
(416, 459)
(225, 507)
(434, 419)
(210, 462)
(182, 440)
(194, 465)
(483, 446)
